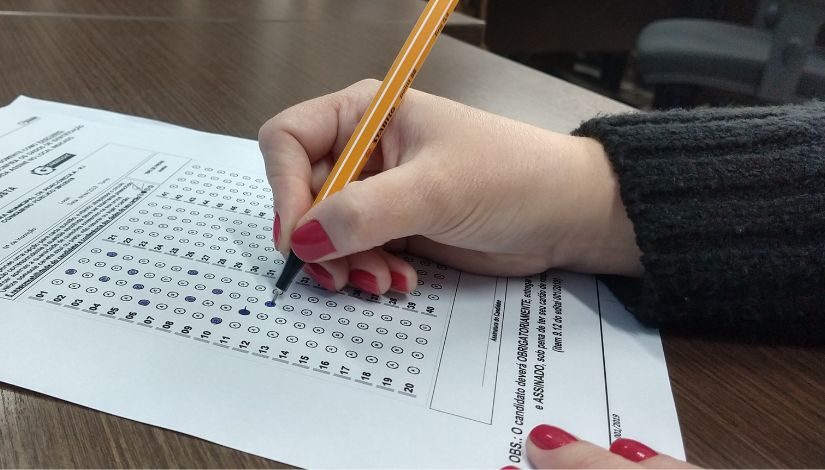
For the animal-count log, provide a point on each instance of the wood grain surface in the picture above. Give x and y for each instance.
(404, 11)
(461, 26)
(739, 405)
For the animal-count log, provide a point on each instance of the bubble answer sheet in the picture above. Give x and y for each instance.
(136, 272)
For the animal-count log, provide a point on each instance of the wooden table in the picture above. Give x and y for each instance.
(460, 26)
(739, 405)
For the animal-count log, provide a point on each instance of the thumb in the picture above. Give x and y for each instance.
(393, 204)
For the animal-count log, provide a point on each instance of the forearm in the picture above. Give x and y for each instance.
(729, 212)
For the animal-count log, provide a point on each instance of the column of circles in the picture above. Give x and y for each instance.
(346, 322)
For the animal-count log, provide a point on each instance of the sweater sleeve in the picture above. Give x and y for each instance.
(728, 206)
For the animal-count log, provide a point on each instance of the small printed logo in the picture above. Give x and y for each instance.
(43, 170)
(49, 168)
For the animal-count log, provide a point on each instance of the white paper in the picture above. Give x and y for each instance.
(135, 266)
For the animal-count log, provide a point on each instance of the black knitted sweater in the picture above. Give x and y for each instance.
(729, 211)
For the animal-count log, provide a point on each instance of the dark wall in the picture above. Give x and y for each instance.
(532, 26)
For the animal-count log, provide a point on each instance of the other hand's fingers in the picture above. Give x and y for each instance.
(645, 456)
(551, 447)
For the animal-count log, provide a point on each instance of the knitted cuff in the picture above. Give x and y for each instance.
(729, 210)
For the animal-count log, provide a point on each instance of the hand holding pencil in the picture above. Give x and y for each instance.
(378, 115)
(447, 182)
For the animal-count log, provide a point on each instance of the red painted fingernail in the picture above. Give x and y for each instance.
(276, 229)
(399, 282)
(321, 275)
(310, 241)
(510, 467)
(549, 437)
(364, 280)
(632, 450)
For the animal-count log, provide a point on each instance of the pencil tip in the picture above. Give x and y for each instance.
(277, 293)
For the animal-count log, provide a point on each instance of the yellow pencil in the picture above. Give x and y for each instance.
(379, 113)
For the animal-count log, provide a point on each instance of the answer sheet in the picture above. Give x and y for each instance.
(136, 272)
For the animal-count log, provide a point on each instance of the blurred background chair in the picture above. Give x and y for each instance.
(716, 52)
(775, 60)
(593, 36)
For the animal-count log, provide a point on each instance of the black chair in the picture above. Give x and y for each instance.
(775, 61)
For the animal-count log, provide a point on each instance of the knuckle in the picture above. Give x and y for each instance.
(274, 128)
(266, 132)
(353, 215)
(362, 91)
(367, 84)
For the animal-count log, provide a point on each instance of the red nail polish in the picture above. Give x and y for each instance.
(399, 282)
(364, 280)
(321, 275)
(549, 437)
(510, 467)
(276, 229)
(310, 241)
(632, 450)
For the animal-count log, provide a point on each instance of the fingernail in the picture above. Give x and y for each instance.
(510, 467)
(364, 280)
(632, 450)
(321, 275)
(549, 437)
(399, 282)
(310, 241)
(276, 229)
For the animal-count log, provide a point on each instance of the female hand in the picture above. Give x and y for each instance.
(448, 182)
(551, 447)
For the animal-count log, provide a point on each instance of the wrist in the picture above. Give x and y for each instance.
(602, 239)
